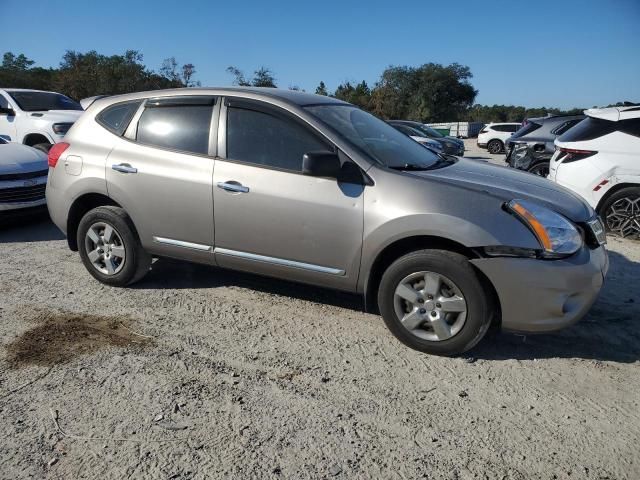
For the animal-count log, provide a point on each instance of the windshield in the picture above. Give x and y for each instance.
(380, 141)
(42, 101)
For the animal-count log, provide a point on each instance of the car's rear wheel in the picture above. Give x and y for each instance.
(433, 301)
(495, 146)
(541, 169)
(621, 213)
(110, 248)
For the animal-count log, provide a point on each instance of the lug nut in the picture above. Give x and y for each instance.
(422, 311)
(438, 305)
(421, 300)
(430, 297)
(434, 313)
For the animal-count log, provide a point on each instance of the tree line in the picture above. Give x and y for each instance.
(428, 93)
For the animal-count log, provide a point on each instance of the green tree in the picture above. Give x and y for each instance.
(322, 89)
(263, 77)
(359, 95)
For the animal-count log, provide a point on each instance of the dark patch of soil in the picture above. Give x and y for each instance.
(62, 336)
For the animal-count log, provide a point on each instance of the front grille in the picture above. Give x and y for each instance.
(24, 176)
(22, 194)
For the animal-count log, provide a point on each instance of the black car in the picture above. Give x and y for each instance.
(450, 145)
(532, 147)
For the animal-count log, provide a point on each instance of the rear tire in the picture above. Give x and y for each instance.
(43, 147)
(620, 213)
(495, 146)
(435, 322)
(110, 248)
(541, 169)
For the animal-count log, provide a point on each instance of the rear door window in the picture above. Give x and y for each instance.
(181, 124)
(559, 130)
(589, 129)
(116, 118)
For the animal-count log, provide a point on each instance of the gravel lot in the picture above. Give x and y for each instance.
(203, 373)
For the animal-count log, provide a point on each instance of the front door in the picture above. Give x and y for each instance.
(162, 176)
(271, 219)
(7, 123)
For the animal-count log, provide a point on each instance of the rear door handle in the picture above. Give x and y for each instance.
(233, 187)
(124, 168)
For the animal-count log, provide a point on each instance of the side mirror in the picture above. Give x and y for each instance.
(7, 111)
(321, 164)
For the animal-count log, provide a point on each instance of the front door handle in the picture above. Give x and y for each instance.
(124, 168)
(233, 187)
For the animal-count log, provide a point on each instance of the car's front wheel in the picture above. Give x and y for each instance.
(495, 146)
(621, 212)
(434, 301)
(110, 248)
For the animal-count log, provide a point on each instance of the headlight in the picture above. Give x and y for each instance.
(557, 235)
(61, 128)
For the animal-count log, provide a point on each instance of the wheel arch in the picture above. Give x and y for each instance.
(32, 139)
(79, 208)
(616, 188)
(401, 247)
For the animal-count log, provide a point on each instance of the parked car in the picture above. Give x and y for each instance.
(531, 147)
(313, 189)
(599, 158)
(36, 118)
(450, 145)
(23, 178)
(418, 137)
(494, 135)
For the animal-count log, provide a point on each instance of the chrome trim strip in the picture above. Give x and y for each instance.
(180, 243)
(279, 261)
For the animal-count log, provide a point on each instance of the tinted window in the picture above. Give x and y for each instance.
(116, 118)
(530, 127)
(269, 140)
(3, 102)
(631, 126)
(512, 128)
(505, 128)
(41, 101)
(565, 126)
(377, 139)
(588, 129)
(183, 127)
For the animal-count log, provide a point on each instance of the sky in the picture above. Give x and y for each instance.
(562, 53)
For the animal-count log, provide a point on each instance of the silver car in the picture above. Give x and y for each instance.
(313, 189)
(23, 179)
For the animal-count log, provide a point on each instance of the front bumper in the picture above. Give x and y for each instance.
(546, 295)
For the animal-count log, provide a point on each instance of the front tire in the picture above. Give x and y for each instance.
(109, 247)
(433, 301)
(495, 146)
(620, 213)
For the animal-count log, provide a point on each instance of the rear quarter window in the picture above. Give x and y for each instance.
(116, 118)
(589, 129)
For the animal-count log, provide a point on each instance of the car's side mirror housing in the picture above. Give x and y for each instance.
(7, 111)
(321, 164)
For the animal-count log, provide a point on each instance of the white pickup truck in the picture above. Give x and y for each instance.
(36, 118)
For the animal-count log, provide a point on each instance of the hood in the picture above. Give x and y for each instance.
(18, 158)
(453, 140)
(57, 116)
(509, 183)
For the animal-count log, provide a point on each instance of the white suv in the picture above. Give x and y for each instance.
(36, 118)
(599, 158)
(493, 136)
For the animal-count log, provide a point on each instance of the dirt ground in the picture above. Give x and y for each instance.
(202, 373)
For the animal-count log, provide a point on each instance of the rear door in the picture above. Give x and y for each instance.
(271, 219)
(161, 173)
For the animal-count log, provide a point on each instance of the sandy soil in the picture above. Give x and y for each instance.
(203, 373)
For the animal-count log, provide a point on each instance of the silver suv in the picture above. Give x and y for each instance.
(312, 189)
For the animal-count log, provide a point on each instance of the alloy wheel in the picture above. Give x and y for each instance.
(623, 217)
(105, 248)
(430, 306)
(494, 147)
